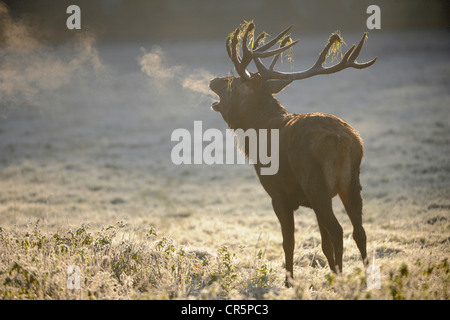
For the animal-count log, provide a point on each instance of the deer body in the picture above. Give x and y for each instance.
(319, 154)
(322, 139)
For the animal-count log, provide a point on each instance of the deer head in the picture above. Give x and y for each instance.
(250, 90)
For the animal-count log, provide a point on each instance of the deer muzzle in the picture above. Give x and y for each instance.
(217, 85)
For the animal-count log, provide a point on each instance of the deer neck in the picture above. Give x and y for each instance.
(270, 114)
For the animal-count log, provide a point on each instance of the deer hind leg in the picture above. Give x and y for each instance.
(286, 218)
(330, 229)
(350, 195)
(317, 189)
(327, 247)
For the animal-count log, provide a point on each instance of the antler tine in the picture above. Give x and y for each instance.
(270, 44)
(258, 40)
(258, 54)
(354, 55)
(323, 55)
(232, 49)
(228, 47)
(232, 43)
(275, 59)
(246, 54)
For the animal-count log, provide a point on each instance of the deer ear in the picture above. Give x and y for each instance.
(275, 86)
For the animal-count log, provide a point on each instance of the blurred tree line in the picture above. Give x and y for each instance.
(171, 19)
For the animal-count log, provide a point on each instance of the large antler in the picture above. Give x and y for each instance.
(348, 60)
(249, 54)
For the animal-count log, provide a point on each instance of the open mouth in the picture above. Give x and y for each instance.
(216, 106)
(216, 85)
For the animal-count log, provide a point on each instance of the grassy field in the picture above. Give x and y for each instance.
(122, 263)
(86, 178)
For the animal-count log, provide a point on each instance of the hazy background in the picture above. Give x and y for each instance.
(108, 96)
(86, 118)
(197, 19)
(93, 109)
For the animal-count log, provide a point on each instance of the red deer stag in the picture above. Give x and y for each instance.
(319, 154)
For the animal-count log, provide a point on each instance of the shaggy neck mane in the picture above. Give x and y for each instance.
(266, 113)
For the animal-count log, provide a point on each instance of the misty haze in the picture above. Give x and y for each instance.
(87, 180)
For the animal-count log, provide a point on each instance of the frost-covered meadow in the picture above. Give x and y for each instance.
(86, 176)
